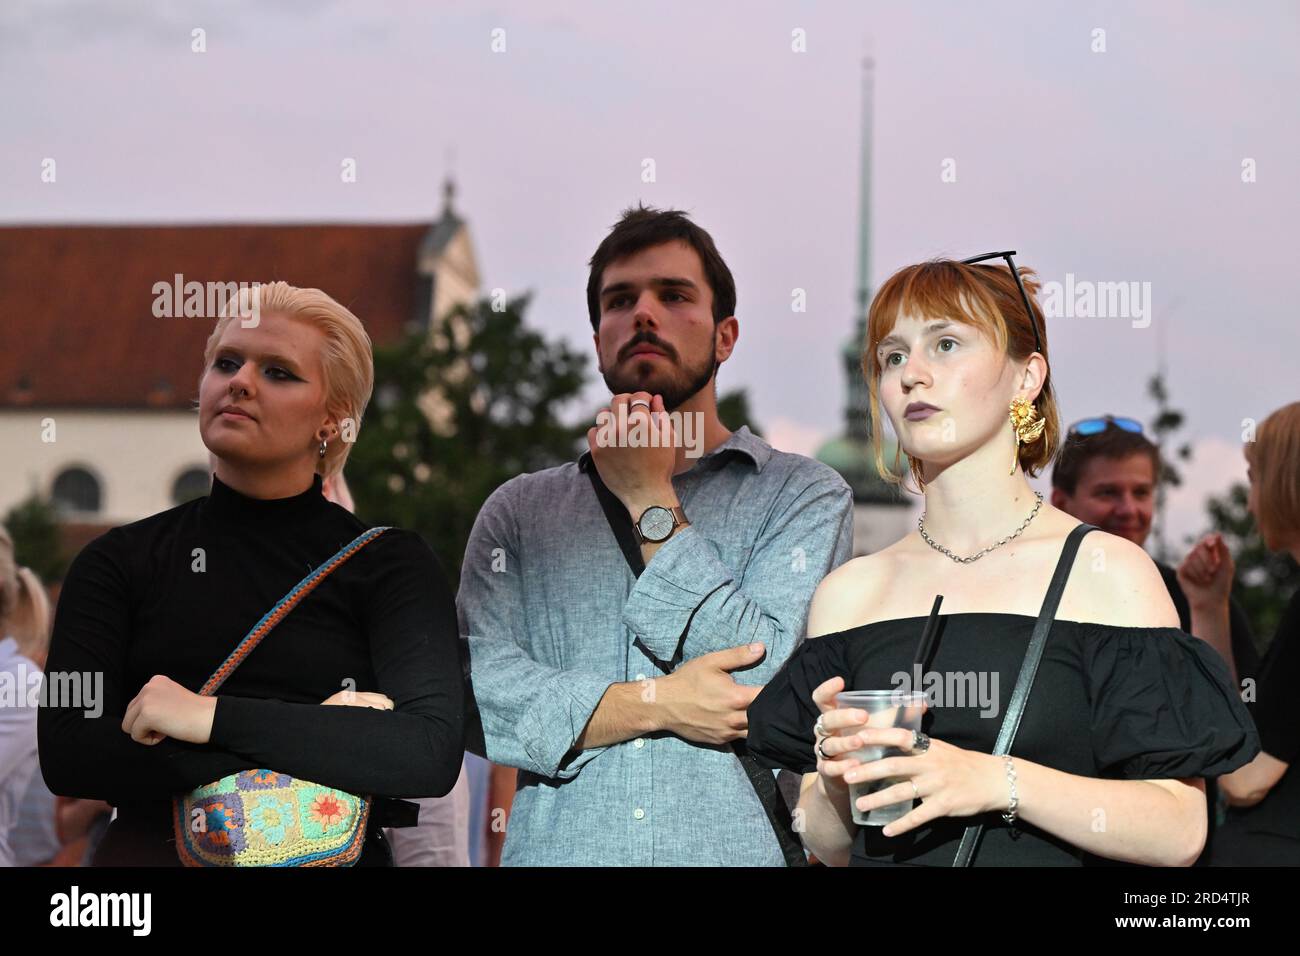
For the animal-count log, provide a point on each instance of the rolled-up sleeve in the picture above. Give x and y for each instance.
(688, 599)
(524, 713)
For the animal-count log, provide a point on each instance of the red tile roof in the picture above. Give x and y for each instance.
(76, 302)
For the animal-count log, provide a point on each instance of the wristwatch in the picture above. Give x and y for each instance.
(658, 523)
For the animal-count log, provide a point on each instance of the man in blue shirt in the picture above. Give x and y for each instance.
(618, 696)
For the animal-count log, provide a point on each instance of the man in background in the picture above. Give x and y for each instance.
(1106, 474)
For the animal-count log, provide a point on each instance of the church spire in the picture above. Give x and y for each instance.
(856, 421)
(851, 454)
(864, 192)
(448, 194)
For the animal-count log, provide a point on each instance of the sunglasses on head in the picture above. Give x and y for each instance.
(1024, 296)
(1095, 426)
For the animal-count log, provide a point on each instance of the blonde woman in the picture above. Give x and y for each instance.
(1263, 824)
(1127, 714)
(155, 606)
(24, 631)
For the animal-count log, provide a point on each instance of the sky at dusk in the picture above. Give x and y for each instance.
(997, 125)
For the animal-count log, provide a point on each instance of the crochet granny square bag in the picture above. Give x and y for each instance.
(265, 818)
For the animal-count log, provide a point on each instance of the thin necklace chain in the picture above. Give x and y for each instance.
(920, 524)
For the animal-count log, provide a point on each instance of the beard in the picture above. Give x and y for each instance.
(676, 381)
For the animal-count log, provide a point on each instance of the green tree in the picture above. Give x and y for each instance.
(733, 410)
(1264, 580)
(500, 386)
(34, 527)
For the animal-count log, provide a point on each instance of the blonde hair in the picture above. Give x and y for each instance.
(24, 604)
(347, 359)
(984, 296)
(1274, 458)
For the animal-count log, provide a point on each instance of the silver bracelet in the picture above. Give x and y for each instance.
(1010, 815)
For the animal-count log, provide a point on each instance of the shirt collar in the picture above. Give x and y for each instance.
(741, 442)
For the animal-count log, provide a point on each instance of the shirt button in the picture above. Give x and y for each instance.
(638, 813)
(640, 676)
(639, 743)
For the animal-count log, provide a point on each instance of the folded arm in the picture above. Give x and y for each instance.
(688, 599)
(413, 750)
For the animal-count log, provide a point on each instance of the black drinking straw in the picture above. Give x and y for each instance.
(922, 655)
(927, 636)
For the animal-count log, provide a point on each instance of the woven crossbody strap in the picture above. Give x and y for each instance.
(286, 604)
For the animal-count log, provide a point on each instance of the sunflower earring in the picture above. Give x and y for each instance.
(1026, 424)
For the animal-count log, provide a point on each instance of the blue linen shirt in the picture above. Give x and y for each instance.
(550, 610)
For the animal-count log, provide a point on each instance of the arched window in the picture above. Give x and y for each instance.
(76, 490)
(190, 484)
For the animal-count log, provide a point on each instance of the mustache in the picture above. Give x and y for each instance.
(648, 338)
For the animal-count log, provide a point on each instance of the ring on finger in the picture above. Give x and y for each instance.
(637, 401)
(819, 728)
(920, 742)
(824, 755)
(916, 793)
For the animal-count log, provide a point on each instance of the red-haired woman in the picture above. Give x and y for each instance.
(1127, 714)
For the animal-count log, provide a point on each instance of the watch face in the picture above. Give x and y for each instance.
(656, 524)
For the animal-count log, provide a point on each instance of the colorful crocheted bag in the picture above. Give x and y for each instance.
(265, 818)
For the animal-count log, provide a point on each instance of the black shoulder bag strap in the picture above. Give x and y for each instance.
(764, 784)
(1020, 694)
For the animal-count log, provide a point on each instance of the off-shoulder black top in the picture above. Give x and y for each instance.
(1128, 703)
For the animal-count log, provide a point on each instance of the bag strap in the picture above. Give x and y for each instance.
(774, 805)
(620, 522)
(286, 604)
(764, 784)
(1028, 670)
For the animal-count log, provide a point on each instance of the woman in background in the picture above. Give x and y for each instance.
(24, 638)
(1263, 823)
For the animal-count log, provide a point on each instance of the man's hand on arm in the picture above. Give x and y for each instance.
(700, 702)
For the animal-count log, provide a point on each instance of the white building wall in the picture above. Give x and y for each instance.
(137, 455)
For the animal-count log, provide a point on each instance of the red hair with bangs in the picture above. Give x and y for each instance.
(983, 295)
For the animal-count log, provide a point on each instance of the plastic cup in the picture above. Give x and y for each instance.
(885, 708)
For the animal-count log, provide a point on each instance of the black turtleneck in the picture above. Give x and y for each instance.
(174, 593)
